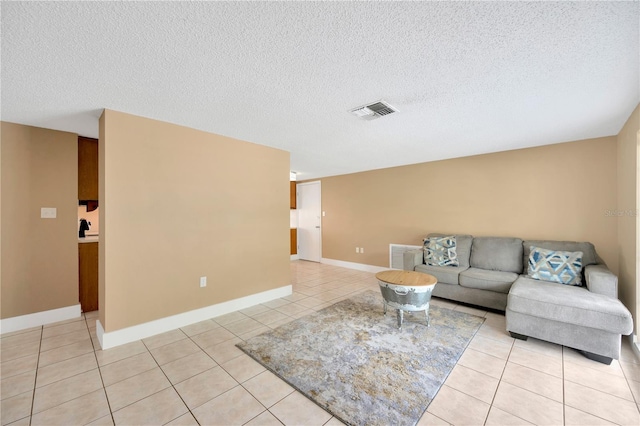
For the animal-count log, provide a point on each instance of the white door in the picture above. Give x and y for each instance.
(309, 221)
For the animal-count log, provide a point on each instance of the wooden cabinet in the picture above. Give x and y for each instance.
(292, 191)
(294, 241)
(87, 168)
(88, 270)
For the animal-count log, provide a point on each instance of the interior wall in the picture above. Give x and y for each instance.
(559, 192)
(628, 212)
(39, 168)
(178, 204)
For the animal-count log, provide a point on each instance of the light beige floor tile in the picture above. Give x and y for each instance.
(65, 352)
(17, 332)
(497, 417)
(310, 302)
(199, 389)
(136, 388)
(265, 419)
(490, 331)
(255, 332)
(174, 351)
(599, 404)
(269, 317)
(267, 388)
(69, 321)
(472, 311)
(126, 368)
(184, 420)
(254, 310)
(458, 408)
(78, 411)
(479, 361)
(65, 390)
(292, 308)
(157, 409)
(627, 354)
(16, 408)
(294, 297)
(631, 370)
(540, 346)
(490, 347)
(120, 352)
(533, 380)
(536, 361)
(163, 339)
(296, 409)
(243, 326)
(12, 352)
(189, 366)
(429, 419)
(15, 385)
(91, 315)
(573, 417)
(528, 405)
(20, 339)
(102, 421)
(277, 324)
(635, 389)
(443, 303)
(607, 383)
(242, 368)
(225, 351)
(64, 339)
(573, 356)
(233, 407)
(211, 338)
(18, 366)
(276, 303)
(229, 318)
(199, 327)
(65, 369)
(22, 422)
(59, 330)
(473, 383)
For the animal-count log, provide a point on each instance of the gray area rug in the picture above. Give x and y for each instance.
(353, 361)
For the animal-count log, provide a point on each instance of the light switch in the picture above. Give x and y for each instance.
(48, 212)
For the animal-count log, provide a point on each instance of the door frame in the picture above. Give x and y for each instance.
(319, 183)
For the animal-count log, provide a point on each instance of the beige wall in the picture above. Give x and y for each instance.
(177, 204)
(39, 256)
(628, 207)
(559, 192)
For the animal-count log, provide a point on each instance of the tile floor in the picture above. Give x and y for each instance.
(195, 375)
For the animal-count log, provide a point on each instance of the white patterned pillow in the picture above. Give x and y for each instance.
(564, 267)
(440, 251)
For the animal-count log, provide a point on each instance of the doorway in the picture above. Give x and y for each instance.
(309, 199)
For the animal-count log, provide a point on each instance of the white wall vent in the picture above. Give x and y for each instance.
(395, 254)
(373, 111)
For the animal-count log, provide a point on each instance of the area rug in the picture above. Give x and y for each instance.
(353, 361)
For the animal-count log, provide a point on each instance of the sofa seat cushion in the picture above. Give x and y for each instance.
(482, 279)
(444, 274)
(569, 304)
(497, 254)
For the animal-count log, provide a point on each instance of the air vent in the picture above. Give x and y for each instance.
(373, 111)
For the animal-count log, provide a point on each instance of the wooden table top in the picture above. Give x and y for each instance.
(406, 278)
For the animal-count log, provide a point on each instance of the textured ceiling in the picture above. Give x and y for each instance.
(467, 78)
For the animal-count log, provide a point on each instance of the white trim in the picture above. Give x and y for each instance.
(295, 257)
(151, 328)
(635, 345)
(353, 265)
(22, 322)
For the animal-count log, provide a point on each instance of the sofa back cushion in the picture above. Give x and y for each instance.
(463, 247)
(589, 256)
(497, 254)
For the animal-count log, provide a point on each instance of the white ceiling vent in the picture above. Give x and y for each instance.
(373, 111)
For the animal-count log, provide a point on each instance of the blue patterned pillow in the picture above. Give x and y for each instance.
(440, 251)
(564, 267)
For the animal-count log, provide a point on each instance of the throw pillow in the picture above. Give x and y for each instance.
(564, 267)
(440, 251)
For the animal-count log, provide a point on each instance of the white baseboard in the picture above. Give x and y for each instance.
(635, 345)
(151, 328)
(353, 265)
(22, 322)
(295, 257)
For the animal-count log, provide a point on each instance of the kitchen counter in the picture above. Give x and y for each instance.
(89, 239)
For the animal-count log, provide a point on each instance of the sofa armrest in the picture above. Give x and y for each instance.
(601, 280)
(411, 259)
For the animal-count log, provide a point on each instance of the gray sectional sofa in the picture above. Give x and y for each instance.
(493, 272)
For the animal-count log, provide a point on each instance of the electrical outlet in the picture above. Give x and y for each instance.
(203, 281)
(361, 249)
(357, 249)
(48, 213)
